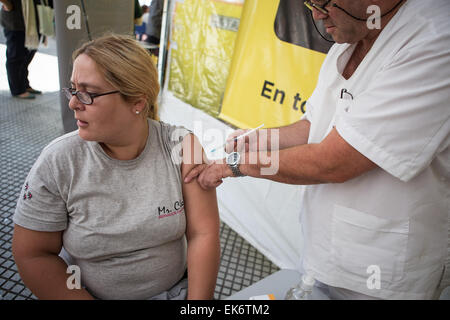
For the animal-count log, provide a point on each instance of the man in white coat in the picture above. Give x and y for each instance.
(372, 151)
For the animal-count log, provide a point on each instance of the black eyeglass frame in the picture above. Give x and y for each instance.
(70, 92)
(321, 8)
(324, 10)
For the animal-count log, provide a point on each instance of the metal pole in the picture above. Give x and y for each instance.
(86, 20)
(163, 42)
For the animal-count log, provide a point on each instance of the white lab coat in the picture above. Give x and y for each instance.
(395, 218)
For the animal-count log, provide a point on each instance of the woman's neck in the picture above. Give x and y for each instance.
(129, 147)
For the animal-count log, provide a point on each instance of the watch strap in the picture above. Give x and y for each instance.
(236, 171)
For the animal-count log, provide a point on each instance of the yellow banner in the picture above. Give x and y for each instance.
(202, 44)
(270, 79)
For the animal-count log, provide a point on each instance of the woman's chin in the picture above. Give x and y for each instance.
(85, 135)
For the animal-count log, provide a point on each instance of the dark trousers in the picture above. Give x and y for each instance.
(18, 57)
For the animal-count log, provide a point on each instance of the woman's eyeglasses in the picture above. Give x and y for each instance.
(318, 5)
(83, 96)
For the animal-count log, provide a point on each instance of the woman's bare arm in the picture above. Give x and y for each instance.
(40, 267)
(202, 231)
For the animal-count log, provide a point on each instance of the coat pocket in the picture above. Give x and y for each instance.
(361, 241)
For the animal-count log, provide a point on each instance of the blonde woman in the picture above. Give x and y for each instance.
(111, 194)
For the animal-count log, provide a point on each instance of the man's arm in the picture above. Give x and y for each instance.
(294, 134)
(331, 161)
(202, 229)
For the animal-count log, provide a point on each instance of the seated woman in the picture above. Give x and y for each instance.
(112, 193)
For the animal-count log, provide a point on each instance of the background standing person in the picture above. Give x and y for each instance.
(111, 193)
(18, 57)
(137, 13)
(139, 29)
(154, 21)
(145, 12)
(373, 149)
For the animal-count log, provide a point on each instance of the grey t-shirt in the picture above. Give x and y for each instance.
(124, 221)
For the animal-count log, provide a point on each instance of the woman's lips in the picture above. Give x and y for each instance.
(82, 123)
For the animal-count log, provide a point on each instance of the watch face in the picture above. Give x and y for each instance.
(233, 158)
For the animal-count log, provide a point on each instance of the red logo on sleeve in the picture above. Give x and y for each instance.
(26, 192)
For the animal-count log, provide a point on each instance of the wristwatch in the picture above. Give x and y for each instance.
(233, 160)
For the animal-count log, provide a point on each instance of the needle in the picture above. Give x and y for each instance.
(238, 137)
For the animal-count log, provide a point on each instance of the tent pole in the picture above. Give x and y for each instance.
(163, 43)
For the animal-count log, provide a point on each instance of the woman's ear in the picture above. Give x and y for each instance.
(140, 104)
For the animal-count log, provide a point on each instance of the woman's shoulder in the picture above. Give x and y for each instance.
(169, 138)
(64, 145)
(164, 125)
(58, 154)
(169, 133)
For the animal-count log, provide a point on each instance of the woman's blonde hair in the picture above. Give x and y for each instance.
(127, 67)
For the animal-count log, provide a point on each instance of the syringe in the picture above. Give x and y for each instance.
(238, 137)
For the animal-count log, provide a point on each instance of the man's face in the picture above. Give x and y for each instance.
(342, 27)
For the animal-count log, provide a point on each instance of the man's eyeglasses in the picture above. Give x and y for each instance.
(321, 4)
(317, 4)
(84, 96)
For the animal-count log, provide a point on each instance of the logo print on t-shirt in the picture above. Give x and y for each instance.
(168, 211)
(26, 193)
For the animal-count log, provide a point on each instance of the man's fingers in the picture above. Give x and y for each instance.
(194, 172)
(231, 142)
(210, 177)
(207, 185)
(235, 134)
(218, 183)
(230, 146)
(240, 145)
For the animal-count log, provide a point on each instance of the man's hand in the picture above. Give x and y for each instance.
(7, 6)
(195, 172)
(247, 143)
(209, 175)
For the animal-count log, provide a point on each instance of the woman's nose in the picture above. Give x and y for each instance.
(75, 104)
